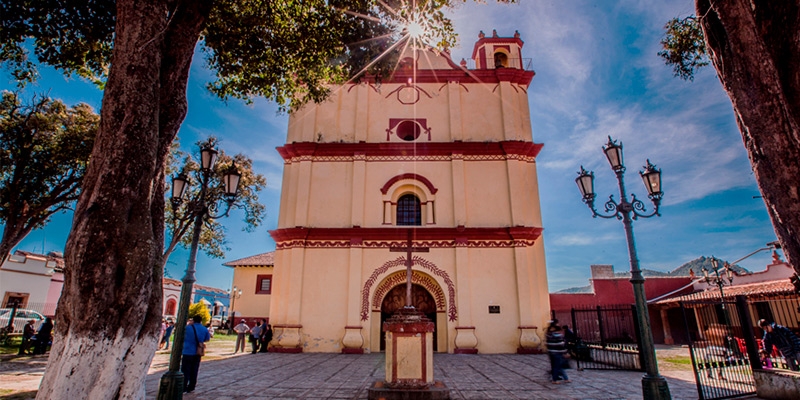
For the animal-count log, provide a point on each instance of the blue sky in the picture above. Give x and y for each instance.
(597, 74)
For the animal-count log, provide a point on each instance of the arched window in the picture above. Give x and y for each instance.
(409, 211)
(500, 60)
(171, 306)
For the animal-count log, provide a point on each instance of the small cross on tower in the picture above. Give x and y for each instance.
(408, 249)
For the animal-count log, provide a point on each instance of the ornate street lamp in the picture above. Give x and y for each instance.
(171, 385)
(234, 295)
(716, 279)
(654, 386)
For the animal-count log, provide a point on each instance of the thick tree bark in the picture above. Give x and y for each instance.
(755, 48)
(110, 308)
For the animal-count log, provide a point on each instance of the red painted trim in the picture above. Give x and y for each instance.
(465, 351)
(503, 148)
(524, 233)
(288, 326)
(416, 177)
(463, 76)
(259, 279)
(494, 40)
(353, 327)
(465, 327)
(528, 327)
(352, 351)
(526, 350)
(292, 350)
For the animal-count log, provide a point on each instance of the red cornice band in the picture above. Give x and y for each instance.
(344, 151)
(520, 236)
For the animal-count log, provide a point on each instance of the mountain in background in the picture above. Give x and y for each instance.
(695, 265)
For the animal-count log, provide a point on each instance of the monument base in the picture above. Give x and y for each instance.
(380, 390)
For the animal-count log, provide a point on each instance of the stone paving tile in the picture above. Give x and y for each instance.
(336, 376)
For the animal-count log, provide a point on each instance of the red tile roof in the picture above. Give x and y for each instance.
(263, 259)
(761, 289)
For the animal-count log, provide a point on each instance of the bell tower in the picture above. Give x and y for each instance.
(441, 152)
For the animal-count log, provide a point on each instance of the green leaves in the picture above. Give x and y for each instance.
(684, 47)
(73, 36)
(44, 152)
(212, 237)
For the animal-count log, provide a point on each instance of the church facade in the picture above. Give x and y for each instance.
(440, 154)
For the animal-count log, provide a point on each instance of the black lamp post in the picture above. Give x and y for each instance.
(716, 279)
(171, 385)
(654, 386)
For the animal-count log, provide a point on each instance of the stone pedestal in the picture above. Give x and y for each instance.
(352, 341)
(409, 359)
(529, 341)
(287, 339)
(466, 341)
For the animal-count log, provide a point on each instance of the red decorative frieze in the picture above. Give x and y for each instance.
(416, 151)
(400, 262)
(385, 237)
(399, 277)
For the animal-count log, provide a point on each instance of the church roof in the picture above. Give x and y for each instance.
(263, 259)
(759, 289)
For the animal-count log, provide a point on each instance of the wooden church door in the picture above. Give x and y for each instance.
(420, 299)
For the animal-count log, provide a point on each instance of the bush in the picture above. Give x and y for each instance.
(201, 310)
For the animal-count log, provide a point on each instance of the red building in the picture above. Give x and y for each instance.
(608, 289)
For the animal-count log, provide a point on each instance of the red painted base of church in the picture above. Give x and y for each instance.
(286, 349)
(528, 350)
(352, 351)
(465, 351)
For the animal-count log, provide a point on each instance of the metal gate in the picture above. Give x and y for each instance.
(718, 334)
(608, 338)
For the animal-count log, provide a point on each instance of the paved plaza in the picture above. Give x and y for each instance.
(224, 375)
(344, 376)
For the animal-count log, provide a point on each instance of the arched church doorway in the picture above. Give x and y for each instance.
(421, 299)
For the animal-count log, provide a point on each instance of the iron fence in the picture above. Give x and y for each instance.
(608, 338)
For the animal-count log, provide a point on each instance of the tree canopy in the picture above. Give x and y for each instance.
(284, 50)
(44, 152)
(753, 48)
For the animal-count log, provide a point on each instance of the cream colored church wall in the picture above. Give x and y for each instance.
(340, 117)
(493, 282)
(324, 299)
(485, 188)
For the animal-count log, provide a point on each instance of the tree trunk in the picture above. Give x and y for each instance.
(110, 308)
(755, 48)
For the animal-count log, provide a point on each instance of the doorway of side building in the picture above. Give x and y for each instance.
(421, 299)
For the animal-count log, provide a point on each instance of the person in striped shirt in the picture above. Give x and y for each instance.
(556, 348)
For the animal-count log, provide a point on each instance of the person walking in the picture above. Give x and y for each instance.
(196, 334)
(44, 336)
(161, 333)
(241, 330)
(255, 336)
(784, 339)
(27, 335)
(266, 336)
(168, 334)
(556, 349)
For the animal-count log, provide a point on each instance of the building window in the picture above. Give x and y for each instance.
(409, 211)
(264, 284)
(171, 306)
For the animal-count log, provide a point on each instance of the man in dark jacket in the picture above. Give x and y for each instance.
(27, 335)
(784, 339)
(44, 336)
